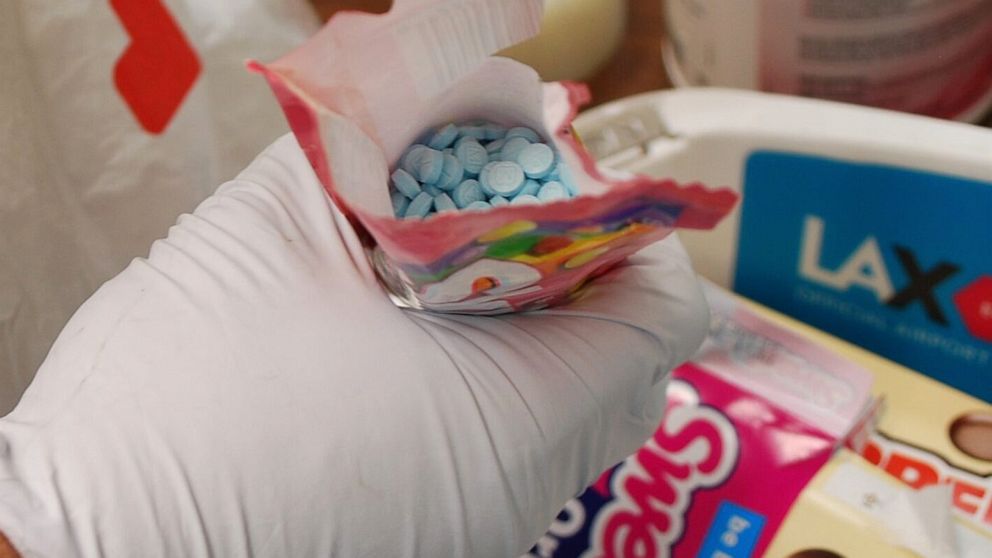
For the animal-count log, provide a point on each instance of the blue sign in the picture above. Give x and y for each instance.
(896, 260)
(733, 533)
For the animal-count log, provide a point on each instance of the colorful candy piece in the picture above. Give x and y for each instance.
(496, 201)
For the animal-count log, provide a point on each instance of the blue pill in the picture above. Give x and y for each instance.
(477, 132)
(493, 147)
(420, 206)
(478, 205)
(451, 173)
(536, 160)
(477, 164)
(493, 131)
(503, 178)
(552, 191)
(472, 156)
(512, 148)
(531, 188)
(565, 177)
(405, 184)
(467, 192)
(411, 158)
(523, 132)
(463, 139)
(525, 199)
(570, 186)
(423, 138)
(443, 202)
(444, 137)
(400, 203)
(430, 165)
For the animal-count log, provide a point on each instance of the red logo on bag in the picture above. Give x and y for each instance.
(919, 467)
(158, 68)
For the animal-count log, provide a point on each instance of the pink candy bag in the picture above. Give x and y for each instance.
(366, 86)
(750, 420)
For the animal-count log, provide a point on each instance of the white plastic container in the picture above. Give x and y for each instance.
(931, 57)
(871, 224)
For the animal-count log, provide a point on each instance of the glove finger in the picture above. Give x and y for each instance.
(275, 216)
(655, 292)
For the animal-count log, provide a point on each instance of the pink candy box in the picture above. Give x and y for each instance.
(366, 86)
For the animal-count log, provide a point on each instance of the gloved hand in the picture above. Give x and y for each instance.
(249, 390)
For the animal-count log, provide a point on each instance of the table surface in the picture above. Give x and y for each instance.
(635, 68)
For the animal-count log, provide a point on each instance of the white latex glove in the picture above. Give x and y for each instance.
(249, 390)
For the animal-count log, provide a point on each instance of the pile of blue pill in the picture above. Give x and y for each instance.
(477, 166)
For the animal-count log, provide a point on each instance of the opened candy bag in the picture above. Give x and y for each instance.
(367, 87)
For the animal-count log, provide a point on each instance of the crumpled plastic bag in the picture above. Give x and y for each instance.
(366, 86)
(115, 118)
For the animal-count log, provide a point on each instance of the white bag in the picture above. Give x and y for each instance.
(116, 117)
